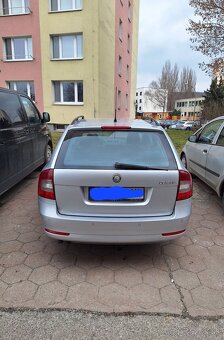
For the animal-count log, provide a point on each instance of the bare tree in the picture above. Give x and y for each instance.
(172, 85)
(187, 81)
(157, 95)
(207, 33)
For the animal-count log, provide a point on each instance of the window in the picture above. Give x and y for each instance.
(24, 87)
(68, 92)
(140, 108)
(119, 100)
(102, 149)
(67, 46)
(14, 7)
(140, 101)
(129, 43)
(127, 74)
(127, 102)
(10, 109)
(136, 94)
(31, 111)
(208, 133)
(65, 5)
(120, 29)
(220, 141)
(120, 66)
(129, 11)
(140, 93)
(18, 48)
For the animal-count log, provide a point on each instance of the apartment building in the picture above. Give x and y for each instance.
(72, 57)
(150, 102)
(190, 108)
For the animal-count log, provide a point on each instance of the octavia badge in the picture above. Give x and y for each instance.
(117, 178)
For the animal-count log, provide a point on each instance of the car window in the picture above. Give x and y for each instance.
(10, 110)
(100, 149)
(32, 114)
(208, 133)
(220, 140)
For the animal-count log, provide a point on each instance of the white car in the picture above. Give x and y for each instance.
(185, 125)
(203, 155)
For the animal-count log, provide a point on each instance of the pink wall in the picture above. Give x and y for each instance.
(23, 25)
(121, 49)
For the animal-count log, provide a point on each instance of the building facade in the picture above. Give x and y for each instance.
(190, 108)
(73, 57)
(146, 106)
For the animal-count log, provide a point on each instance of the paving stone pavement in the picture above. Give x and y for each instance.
(183, 277)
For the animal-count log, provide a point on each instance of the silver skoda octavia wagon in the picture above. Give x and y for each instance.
(112, 182)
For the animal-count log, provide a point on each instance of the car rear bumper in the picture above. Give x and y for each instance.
(114, 229)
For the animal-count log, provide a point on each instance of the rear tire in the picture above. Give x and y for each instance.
(184, 160)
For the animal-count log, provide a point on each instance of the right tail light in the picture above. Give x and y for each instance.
(185, 188)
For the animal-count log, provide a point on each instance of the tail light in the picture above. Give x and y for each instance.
(185, 190)
(46, 184)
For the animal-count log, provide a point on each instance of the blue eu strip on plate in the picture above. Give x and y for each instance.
(116, 193)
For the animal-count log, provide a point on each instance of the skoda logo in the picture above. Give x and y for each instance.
(117, 178)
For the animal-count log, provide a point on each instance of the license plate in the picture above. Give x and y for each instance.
(112, 194)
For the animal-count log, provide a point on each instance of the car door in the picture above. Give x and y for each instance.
(36, 131)
(215, 160)
(12, 140)
(197, 152)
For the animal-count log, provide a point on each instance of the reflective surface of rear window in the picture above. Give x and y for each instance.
(100, 149)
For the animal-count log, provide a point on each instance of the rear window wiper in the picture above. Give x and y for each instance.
(118, 165)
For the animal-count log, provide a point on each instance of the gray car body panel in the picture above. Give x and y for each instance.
(209, 165)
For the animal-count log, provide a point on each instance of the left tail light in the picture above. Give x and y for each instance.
(46, 184)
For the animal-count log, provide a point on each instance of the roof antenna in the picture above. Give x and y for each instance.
(115, 111)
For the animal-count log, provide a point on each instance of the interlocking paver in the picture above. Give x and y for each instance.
(37, 259)
(12, 259)
(100, 276)
(145, 296)
(186, 279)
(43, 275)
(192, 264)
(71, 275)
(50, 294)
(208, 298)
(16, 274)
(156, 277)
(183, 274)
(128, 277)
(20, 292)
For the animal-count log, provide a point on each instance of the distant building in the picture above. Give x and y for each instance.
(147, 106)
(190, 108)
(72, 57)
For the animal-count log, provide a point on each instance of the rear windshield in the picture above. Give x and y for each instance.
(100, 149)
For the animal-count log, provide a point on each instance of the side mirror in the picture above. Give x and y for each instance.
(192, 139)
(46, 117)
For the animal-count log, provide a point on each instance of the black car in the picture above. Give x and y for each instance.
(25, 139)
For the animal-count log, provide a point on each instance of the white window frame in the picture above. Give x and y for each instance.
(60, 46)
(75, 83)
(74, 8)
(29, 57)
(24, 9)
(24, 81)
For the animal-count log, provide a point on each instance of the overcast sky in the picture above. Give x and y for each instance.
(163, 36)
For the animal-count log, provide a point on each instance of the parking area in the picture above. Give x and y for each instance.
(184, 277)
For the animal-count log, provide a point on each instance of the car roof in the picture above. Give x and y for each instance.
(98, 123)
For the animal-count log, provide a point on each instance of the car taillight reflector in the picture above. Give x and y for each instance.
(61, 233)
(174, 233)
(185, 189)
(46, 184)
(115, 128)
